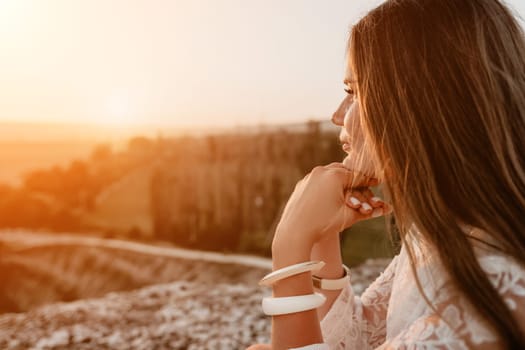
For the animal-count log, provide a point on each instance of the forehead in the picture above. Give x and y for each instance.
(349, 79)
(349, 76)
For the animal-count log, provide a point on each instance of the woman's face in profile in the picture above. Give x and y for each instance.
(352, 136)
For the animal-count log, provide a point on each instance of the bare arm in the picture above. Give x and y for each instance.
(329, 251)
(301, 328)
(318, 209)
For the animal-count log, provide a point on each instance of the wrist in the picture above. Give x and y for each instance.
(288, 250)
(286, 255)
(329, 251)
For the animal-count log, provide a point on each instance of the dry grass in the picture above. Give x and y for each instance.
(125, 204)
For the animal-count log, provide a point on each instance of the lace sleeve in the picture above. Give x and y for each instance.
(458, 326)
(360, 322)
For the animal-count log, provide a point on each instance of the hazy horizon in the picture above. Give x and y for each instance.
(28, 146)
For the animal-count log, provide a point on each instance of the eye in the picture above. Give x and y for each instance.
(350, 91)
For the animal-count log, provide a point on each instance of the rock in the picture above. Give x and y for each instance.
(179, 300)
(178, 315)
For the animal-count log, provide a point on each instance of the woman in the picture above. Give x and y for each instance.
(437, 104)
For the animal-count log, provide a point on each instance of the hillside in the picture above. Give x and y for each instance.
(36, 269)
(180, 315)
(131, 295)
(125, 205)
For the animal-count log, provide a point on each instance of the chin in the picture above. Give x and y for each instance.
(353, 163)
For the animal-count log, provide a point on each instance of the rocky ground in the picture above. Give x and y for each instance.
(211, 302)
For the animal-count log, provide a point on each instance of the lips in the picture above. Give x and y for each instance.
(346, 147)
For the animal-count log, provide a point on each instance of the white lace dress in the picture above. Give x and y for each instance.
(392, 314)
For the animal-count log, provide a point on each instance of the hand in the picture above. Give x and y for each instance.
(322, 205)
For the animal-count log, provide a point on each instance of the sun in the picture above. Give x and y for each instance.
(15, 16)
(118, 110)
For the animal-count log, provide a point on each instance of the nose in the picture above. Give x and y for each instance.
(338, 118)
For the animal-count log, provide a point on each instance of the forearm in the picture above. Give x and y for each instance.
(329, 251)
(301, 328)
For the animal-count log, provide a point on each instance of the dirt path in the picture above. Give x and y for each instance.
(27, 240)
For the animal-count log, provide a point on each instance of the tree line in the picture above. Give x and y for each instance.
(219, 192)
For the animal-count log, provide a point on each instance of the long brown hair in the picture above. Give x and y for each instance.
(441, 85)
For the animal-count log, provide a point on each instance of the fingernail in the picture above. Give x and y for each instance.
(376, 199)
(354, 201)
(366, 206)
(377, 212)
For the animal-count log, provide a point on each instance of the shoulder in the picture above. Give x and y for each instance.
(453, 323)
(507, 276)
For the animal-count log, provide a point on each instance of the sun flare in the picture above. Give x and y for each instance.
(118, 111)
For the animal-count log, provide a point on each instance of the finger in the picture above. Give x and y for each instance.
(375, 201)
(387, 208)
(357, 179)
(353, 216)
(382, 211)
(377, 212)
(349, 178)
(367, 193)
(359, 194)
(352, 201)
(335, 165)
(373, 181)
(378, 202)
(365, 207)
(372, 199)
(379, 207)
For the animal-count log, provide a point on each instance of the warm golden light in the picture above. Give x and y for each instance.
(11, 13)
(118, 110)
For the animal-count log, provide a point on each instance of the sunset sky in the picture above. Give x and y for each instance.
(174, 62)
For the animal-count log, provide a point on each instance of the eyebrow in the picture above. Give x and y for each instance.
(349, 81)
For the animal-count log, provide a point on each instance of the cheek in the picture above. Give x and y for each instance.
(353, 123)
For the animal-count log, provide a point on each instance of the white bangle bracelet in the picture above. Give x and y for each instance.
(332, 284)
(318, 346)
(292, 270)
(290, 305)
